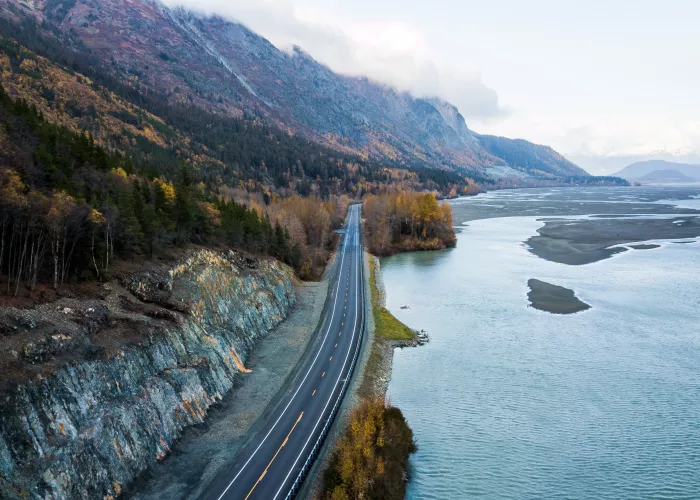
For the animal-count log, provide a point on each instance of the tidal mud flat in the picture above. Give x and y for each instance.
(567, 202)
(578, 242)
(553, 298)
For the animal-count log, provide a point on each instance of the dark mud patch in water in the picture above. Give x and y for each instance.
(553, 298)
(645, 246)
(590, 240)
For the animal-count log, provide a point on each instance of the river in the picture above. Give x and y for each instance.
(508, 401)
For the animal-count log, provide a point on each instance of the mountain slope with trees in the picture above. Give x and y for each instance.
(225, 69)
(70, 208)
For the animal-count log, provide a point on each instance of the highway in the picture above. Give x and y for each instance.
(270, 466)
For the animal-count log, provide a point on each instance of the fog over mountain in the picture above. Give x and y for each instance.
(588, 94)
(390, 52)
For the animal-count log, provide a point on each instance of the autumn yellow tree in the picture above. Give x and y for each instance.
(370, 459)
(407, 220)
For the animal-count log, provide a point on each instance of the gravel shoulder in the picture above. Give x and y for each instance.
(370, 379)
(204, 450)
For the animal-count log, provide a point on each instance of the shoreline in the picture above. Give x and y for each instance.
(378, 384)
(549, 374)
(371, 378)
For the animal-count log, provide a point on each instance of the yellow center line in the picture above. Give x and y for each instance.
(273, 458)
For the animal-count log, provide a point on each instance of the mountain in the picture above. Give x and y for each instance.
(607, 164)
(226, 69)
(541, 161)
(70, 87)
(651, 169)
(667, 176)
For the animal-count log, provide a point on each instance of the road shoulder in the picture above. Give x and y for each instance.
(204, 451)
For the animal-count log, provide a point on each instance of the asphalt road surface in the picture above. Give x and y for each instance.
(268, 466)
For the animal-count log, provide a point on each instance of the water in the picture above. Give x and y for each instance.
(510, 402)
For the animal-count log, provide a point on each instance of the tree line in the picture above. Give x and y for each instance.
(69, 208)
(406, 221)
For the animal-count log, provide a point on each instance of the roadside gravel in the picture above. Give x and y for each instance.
(205, 450)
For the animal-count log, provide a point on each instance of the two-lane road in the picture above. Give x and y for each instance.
(270, 464)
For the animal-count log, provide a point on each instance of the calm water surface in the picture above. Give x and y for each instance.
(510, 402)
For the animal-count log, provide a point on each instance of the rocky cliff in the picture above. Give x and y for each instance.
(94, 391)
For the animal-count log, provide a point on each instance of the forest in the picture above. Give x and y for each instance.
(69, 210)
(406, 221)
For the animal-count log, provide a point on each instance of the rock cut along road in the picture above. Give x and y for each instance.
(269, 466)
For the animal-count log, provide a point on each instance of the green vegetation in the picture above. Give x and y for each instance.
(371, 458)
(385, 324)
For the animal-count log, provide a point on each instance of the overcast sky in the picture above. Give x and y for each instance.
(587, 77)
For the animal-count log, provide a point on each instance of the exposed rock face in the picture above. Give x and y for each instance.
(223, 66)
(115, 390)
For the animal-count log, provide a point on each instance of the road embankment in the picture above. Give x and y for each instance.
(97, 391)
(203, 451)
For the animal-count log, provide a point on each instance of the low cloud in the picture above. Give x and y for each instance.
(605, 136)
(394, 53)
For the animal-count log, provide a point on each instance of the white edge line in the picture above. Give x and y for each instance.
(334, 386)
(330, 323)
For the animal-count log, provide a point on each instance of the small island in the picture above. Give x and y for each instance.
(645, 246)
(554, 299)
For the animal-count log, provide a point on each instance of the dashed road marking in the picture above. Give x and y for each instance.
(273, 458)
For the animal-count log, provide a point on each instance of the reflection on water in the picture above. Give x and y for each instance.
(510, 402)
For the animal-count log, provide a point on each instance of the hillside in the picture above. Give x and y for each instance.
(224, 68)
(667, 176)
(70, 88)
(529, 158)
(642, 169)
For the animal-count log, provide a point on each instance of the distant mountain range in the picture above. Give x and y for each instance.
(660, 171)
(609, 164)
(225, 68)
